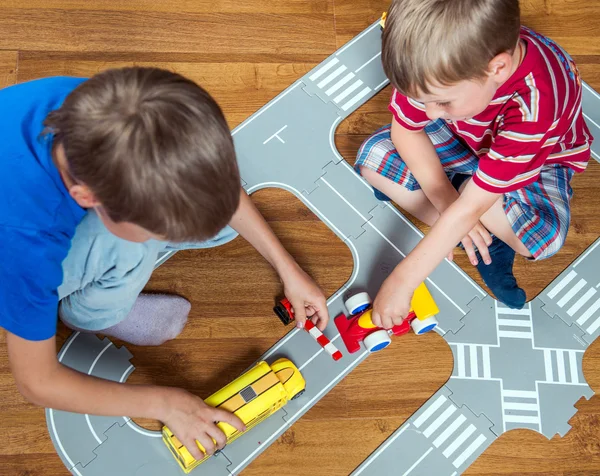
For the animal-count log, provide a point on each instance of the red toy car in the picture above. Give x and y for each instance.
(359, 327)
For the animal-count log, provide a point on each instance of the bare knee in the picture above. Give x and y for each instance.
(370, 175)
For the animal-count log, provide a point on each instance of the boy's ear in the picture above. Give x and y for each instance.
(500, 67)
(84, 197)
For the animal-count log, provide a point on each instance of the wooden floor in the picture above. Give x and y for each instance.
(245, 53)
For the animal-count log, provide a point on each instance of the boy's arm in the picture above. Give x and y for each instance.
(43, 381)
(393, 300)
(302, 292)
(420, 156)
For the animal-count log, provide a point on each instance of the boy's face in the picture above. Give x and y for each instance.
(464, 100)
(460, 101)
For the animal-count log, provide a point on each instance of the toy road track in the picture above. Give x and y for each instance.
(513, 369)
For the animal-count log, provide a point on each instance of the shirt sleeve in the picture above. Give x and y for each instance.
(408, 112)
(520, 146)
(30, 273)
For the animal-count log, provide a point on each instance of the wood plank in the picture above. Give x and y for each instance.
(257, 83)
(221, 33)
(187, 6)
(8, 68)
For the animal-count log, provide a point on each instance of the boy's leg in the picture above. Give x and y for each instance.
(381, 165)
(539, 213)
(103, 278)
(496, 222)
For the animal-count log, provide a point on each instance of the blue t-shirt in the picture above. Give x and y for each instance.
(37, 216)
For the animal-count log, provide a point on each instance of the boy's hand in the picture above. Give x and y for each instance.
(190, 419)
(392, 303)
(480, 237)
(305, 296)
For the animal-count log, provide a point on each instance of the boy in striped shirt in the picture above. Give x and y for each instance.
(486, 136)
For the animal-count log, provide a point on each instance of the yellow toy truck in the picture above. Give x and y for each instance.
(253, 396)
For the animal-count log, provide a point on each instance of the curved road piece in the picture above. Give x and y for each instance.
(289, 144)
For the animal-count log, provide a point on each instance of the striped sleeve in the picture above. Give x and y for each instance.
(408, 112)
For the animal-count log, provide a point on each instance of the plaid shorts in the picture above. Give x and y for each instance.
(538, 213)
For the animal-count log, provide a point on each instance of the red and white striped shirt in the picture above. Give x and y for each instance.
(534, 119)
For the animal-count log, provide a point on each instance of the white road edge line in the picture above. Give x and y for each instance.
(381, 449)
(350, 43)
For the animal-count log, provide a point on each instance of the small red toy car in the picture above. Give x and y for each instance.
(359, 327)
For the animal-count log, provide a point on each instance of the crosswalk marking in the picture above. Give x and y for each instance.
(487, 371)
(520, 393)
(581, 301)
(458, 438)
(561, 284)
(439, 420)
(573, 366)
(326, 67)
(340, 97)
(560, 365)
(589, 312)
(452, 447)
(548, 365)
(594, 327)
(513, 327)
(473, 359)
(339, 84)
(563, 359)
(515, 334)
(449, 430)
(508, 310)
(520, 401)
(520, 406)
(569, 295)
(332, 76)
(356, 98)
(469, 451)
(479, 366)
(514, 323)
(430, 410)
(460, 357)
(522, 419)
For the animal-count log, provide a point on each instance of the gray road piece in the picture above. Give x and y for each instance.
(289, 144)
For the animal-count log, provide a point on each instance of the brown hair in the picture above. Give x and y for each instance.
(427, 42)
(154, 148)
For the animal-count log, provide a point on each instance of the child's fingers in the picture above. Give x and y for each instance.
(376, 318)
(228, 417)
(299, 313)
(192, 447)
(207, 443)
(470, 250)
(322, 312)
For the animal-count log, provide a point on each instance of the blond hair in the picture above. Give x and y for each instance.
(429, 42)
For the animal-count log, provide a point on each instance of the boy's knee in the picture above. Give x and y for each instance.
(368, 174)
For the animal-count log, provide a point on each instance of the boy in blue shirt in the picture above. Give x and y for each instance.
(96, 177)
